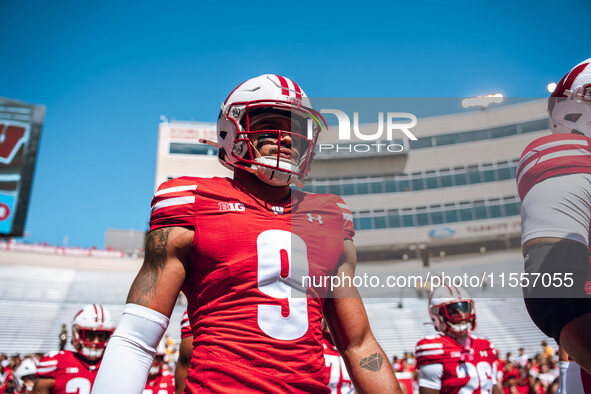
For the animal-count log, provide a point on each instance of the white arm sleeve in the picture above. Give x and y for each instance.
(431, 376)
(130, 351)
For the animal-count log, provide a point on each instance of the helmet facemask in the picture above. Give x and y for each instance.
(90, 343)
(275, 141)
(458, 318)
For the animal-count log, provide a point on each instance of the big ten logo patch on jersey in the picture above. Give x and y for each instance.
(231, 207)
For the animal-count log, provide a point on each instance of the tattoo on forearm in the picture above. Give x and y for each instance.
(147, 278)
(372, 363)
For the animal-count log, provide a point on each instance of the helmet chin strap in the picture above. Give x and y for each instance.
(467, 350)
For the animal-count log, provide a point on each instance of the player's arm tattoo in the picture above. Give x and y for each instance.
(156, 256)
(372, 363)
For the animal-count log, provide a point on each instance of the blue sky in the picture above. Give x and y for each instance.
(107, 70)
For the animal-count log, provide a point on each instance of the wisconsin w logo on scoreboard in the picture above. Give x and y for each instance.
(20, 129)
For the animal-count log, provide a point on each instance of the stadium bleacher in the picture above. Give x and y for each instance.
(36, 298)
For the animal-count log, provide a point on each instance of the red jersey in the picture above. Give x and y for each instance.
(161, 384)
(550, 156)
(255, 318)
(337, 378)
(475, 375)
(71, 373)
(185, 326)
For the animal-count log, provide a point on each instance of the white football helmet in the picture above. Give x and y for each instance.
(569, 106)
(91, 328)
(254, 103)
(452, 311)
(25, 374)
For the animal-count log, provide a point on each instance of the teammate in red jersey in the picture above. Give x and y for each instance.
(554, 183)
(240, 249)
(337, 378)
(160, 381)
(181, 370)
(455, 360)
(74, 372)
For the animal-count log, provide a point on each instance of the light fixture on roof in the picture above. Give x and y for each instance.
(483, 101)
(551, 86)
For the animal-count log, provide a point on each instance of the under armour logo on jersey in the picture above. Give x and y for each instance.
(231, 206)
(277, 210)
(311, 218)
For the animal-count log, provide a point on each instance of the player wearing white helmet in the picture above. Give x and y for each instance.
(554, 183)
(160, 380)
(25, 375)
(65, 371)
(237, 249)
(454, 360)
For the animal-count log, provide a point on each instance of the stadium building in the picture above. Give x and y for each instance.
(450, 191)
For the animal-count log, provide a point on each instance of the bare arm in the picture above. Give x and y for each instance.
(158, 283)
(345, 314)
(131, 348)
(43, 386)
(182, 366)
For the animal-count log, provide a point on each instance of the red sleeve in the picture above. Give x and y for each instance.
(48, 366)
(185, 326)
(348, 230)
(174, 204)
(429, 351)
(552, 155)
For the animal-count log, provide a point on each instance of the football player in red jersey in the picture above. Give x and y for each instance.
(74, 372)
(455, 360)
(181, 371)
(160, 381)
(554, 183)
(240, 249)
(337, 377)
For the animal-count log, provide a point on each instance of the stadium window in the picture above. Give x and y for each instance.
(489, 175)
(451, 215)
(535, 125)
(504, 131)
(417, 183)
(408, 219)
(320, 189)
(446, 181)
(424, 142)
(348, 189)
(436, 217)
(447, 139)
(335, 189)
(460, 176)
(479, 135)
(403, 185)
(422, 216)
(473, 174)
(380, 222)
(512, 209)
(505, 173)
(376, 187)
(495, 211)
(362, 187)
(393, 218)
(365, 223)
(192, 149)
(479, 210)
(390, 186)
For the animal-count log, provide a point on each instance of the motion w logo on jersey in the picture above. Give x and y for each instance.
(231, 207)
